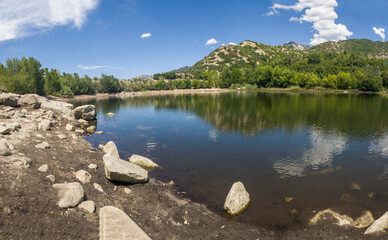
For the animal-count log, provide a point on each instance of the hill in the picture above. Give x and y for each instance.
(295, 45)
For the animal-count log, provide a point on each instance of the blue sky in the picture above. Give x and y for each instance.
(106, 34)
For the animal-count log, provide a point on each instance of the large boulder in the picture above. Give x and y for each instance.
(115, 224)
(142, 161)
(379, 225)
(86, 112)
(60, 109)
(110, 148)
(69, 194)
(118, 170)
(29, 100)
(9, 99)
(4, 148)
(237, 200)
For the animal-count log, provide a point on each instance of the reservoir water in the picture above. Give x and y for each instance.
(308, 148)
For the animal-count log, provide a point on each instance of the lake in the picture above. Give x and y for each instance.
(310, 147)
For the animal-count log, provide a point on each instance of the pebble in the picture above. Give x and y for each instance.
(61, 136)
(127, 190)
(50, 177)
(93, 166)
(43, 168)
(98, 187)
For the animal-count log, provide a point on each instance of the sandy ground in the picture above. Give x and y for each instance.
(28, 202)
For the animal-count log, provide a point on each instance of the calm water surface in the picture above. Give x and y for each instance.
(310, 147)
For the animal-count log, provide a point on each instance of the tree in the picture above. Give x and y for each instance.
(52, 83)
(109, 84)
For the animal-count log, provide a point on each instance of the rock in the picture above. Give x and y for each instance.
(43, 168)
(86, 112)
(80, 131)
(83, 122)
(110, 114)
(61, 136)
(45, 125)
(122, 171)
(5, 130)
(237, 200)
(127, 190)
(100, 146)
(91, 129)
(8, 109)
(29, 100)
(355, 187)
(60, 109)
(288, 199)
(343, 220)
(14, 126)
(142, 161)
(50, 177)
(43, 145)
(370, 194)
(83, 176)
(70, 127)
(9, 99)
(110, 148)
(100, 132)
(379, 225)
(4, 148)
(69, 194)
(89, 206)
(93, 166)
(98, 187)
(115, 224)
(4, 116)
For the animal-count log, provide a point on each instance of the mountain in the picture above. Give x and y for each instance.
(365, 46)
(295, 45)
(144, 76)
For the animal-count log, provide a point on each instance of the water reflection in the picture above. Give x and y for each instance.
(324, 146)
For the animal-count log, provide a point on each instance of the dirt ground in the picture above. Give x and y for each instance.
(28, 202)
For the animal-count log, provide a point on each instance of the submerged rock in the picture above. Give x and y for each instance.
(86, 112)
(237, 200)
(115, 224)
(110, 148)
(110, 114)
(142, 161)
(343, 220)
(122, 171)
(379, 225)
(69, 194)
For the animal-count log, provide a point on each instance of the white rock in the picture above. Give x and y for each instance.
(142, 161)
(5, 130)
(121, 171)
(89, 206)
(98, 187)
(100, 146)
(61, 136)
(86, 112)
(379, 225)
(4, 148)
(115, 224)
(127, 190)
(93, 166)
(43, 168)
(45, 125)
(237, 200)
(14, 126)
(110, 148)
(29, 100)
(43, 145)
(50, 177)
(91, 129)
(83, 176)
(70, 127)
(61, 109)
(110, 114)
(69, 194)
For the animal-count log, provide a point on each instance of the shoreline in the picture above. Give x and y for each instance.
(28, 200)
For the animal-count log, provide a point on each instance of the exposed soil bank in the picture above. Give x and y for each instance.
(28, 202)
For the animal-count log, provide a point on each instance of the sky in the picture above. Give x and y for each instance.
(127, 38)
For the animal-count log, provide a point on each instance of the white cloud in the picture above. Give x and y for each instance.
(146, 35)
(380, 32)
(321, 13)
(232, 44)
(97, 67)
(211, 41)
(20, 18)
(270, 13)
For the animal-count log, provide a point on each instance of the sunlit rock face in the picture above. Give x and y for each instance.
(324, 146)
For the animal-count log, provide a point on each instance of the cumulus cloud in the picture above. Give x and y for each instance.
(380, 32)
(211, 41)
(232, 44)
(97, 67)
(20, 18)
(146, 35)
(322, 14)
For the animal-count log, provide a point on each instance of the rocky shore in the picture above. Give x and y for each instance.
(55, 185)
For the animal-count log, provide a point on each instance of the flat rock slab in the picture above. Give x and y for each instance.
(379, 225)
(121, 171)
(142, 161)
(115, 224)
(69, 194)
(237, 200)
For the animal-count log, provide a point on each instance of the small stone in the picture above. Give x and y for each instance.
(93, 166)
(355, 187)
(186, 222)
(101, 147)
(80, 131)
(4, 148)
(70, 127)
(114, 188)
(69, 194)
(61, 136)
(50, 177)
(43, 168)
(346, 198)
(45, 125)
(370, 194)
(109, 114)
(171, 182)
(100, 132)
(142, 161)
(294, 213)
(89, 206)
(39, 136)
(5, 130)
(43, 145)
(98, 187)
(127, 190)
(91, 129)
(237, 200)
(83, 122)
(83, 176)
(288, 199)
